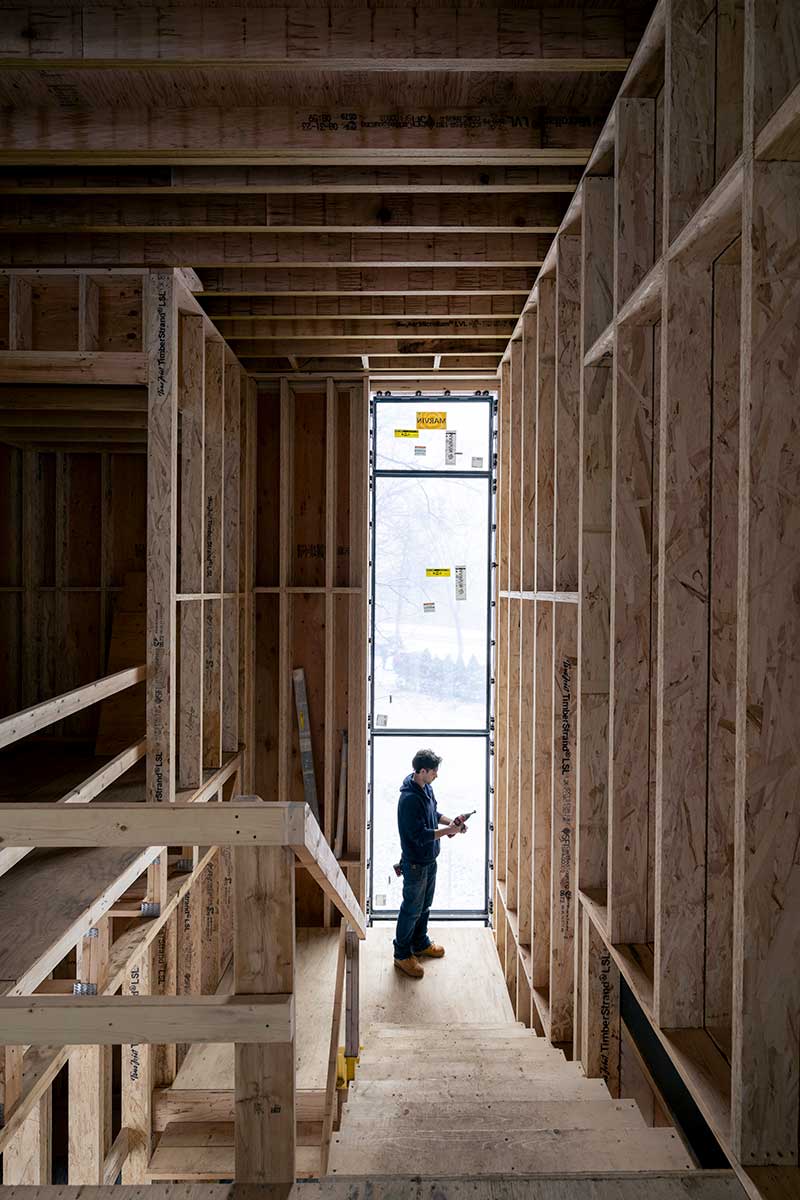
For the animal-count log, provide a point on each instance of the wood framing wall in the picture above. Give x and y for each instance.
(647, 811)
(311, 586)
(72, 523)
(127, 442)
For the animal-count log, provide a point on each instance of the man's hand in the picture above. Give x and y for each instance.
(452, 829)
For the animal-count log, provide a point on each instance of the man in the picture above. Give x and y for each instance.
(421, 826)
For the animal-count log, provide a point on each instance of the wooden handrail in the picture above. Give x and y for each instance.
(84, 793)
(318, 858)
(39, 716)
(248, 821)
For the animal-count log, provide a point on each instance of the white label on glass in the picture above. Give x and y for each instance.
(461, 583)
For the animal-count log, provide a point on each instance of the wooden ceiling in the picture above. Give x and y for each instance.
(357, 184)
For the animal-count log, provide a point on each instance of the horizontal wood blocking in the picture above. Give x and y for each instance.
(146, 1020)
(72, 367)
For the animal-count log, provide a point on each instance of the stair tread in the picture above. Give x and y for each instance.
(428, 1121)
(466, 1052)
(205, 1165)
(390, 1031)
(553, 1088)
(655, 1185)
(528, 1152)
(503, 1113)
(203, 1151)
(510, 1072)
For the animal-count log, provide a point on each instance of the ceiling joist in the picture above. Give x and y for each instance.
(316, 251)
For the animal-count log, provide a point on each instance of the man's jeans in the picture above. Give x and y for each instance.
(419, 884)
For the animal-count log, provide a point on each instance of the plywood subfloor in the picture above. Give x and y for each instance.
(211, 1066)
(466, 986)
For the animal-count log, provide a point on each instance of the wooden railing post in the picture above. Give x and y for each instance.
(352, 1029)
(263, 960)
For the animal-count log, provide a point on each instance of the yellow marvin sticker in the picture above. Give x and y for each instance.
(431, 420)
(407, 433)
(438, 572)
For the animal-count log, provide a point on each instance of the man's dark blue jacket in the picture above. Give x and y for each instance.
(417, 820)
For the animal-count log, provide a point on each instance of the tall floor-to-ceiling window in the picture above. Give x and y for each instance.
(432, 540)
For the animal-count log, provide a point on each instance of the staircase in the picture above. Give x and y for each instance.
(468, 1102)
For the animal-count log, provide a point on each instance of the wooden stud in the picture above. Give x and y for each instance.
(215, 379)
(764, 1112)
(594, 534)
(566, 413)
(231, 542)
(563, 870)
(600, 1056)
(542, 794)
(164, 976)
(722, 647)
(333, 1049)
(634, 196)
(629, 666)
(352, 1040)
(545, 434)
(137, 1084)
(682, 647)
(285, 607)
(162, 498)
(89, 1073)
(689, 88)
(27, 1157)
(328, 759)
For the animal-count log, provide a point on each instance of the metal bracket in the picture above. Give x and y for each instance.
(84, 989)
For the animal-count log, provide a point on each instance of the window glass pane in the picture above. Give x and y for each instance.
(462, 446)
(430, 600)
(460, 787)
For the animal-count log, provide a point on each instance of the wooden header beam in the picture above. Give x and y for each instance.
(327, 38)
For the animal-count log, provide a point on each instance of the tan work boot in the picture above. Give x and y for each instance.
(410, 966)
(432, 951)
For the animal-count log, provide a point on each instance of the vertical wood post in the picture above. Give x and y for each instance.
(137, 1084)
(89, 1073)
(264, 949)
(27, 1158)
(192, 410)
